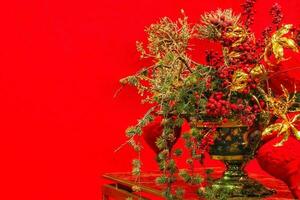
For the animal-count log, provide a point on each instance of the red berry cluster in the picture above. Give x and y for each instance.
(276, 13)
(248, 53)
(248, 115)
(226, 72)
(208, 82)
(217, 106)
(238, 106)
(248, 12)
(248, 119)
(251, 85)
(267, 32)
(247, 112)
(297, 35)
(213, 58)
(207, 141)
(227, 42)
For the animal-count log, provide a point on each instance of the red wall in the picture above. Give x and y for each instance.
(60, 62)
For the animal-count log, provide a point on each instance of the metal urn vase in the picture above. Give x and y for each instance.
(235, 145)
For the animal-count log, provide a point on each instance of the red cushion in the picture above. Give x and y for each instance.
(282, 162)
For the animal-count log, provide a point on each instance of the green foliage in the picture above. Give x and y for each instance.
(179, 192)
(194, 132)
(137, 129)
(133, 80)
(161, 180)
(298, 97)
(178, 195)
(162, 164)
(178, 122)
(189, 161)
(193, 179)
(210, 193)
(186, 136)
(133, 130)
(161, 143)
(168, 195)
(188, 140)
(196, 179)
(209, 171)
(185, 175)
(177, 152)
(209, 178)
(136, 167)
(172, 167)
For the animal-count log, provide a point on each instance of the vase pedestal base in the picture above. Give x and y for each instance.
(236, 183)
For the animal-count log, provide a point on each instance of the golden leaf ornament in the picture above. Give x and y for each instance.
(239, 81)
(277, 44)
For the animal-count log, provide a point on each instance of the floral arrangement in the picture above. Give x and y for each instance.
(232, 86)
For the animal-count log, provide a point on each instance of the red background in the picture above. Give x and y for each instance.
(60, 64)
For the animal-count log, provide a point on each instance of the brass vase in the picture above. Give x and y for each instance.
(235, 145)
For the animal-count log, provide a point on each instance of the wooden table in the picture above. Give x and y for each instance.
(121, 184)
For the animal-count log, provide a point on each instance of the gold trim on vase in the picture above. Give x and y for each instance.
(232, 157)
